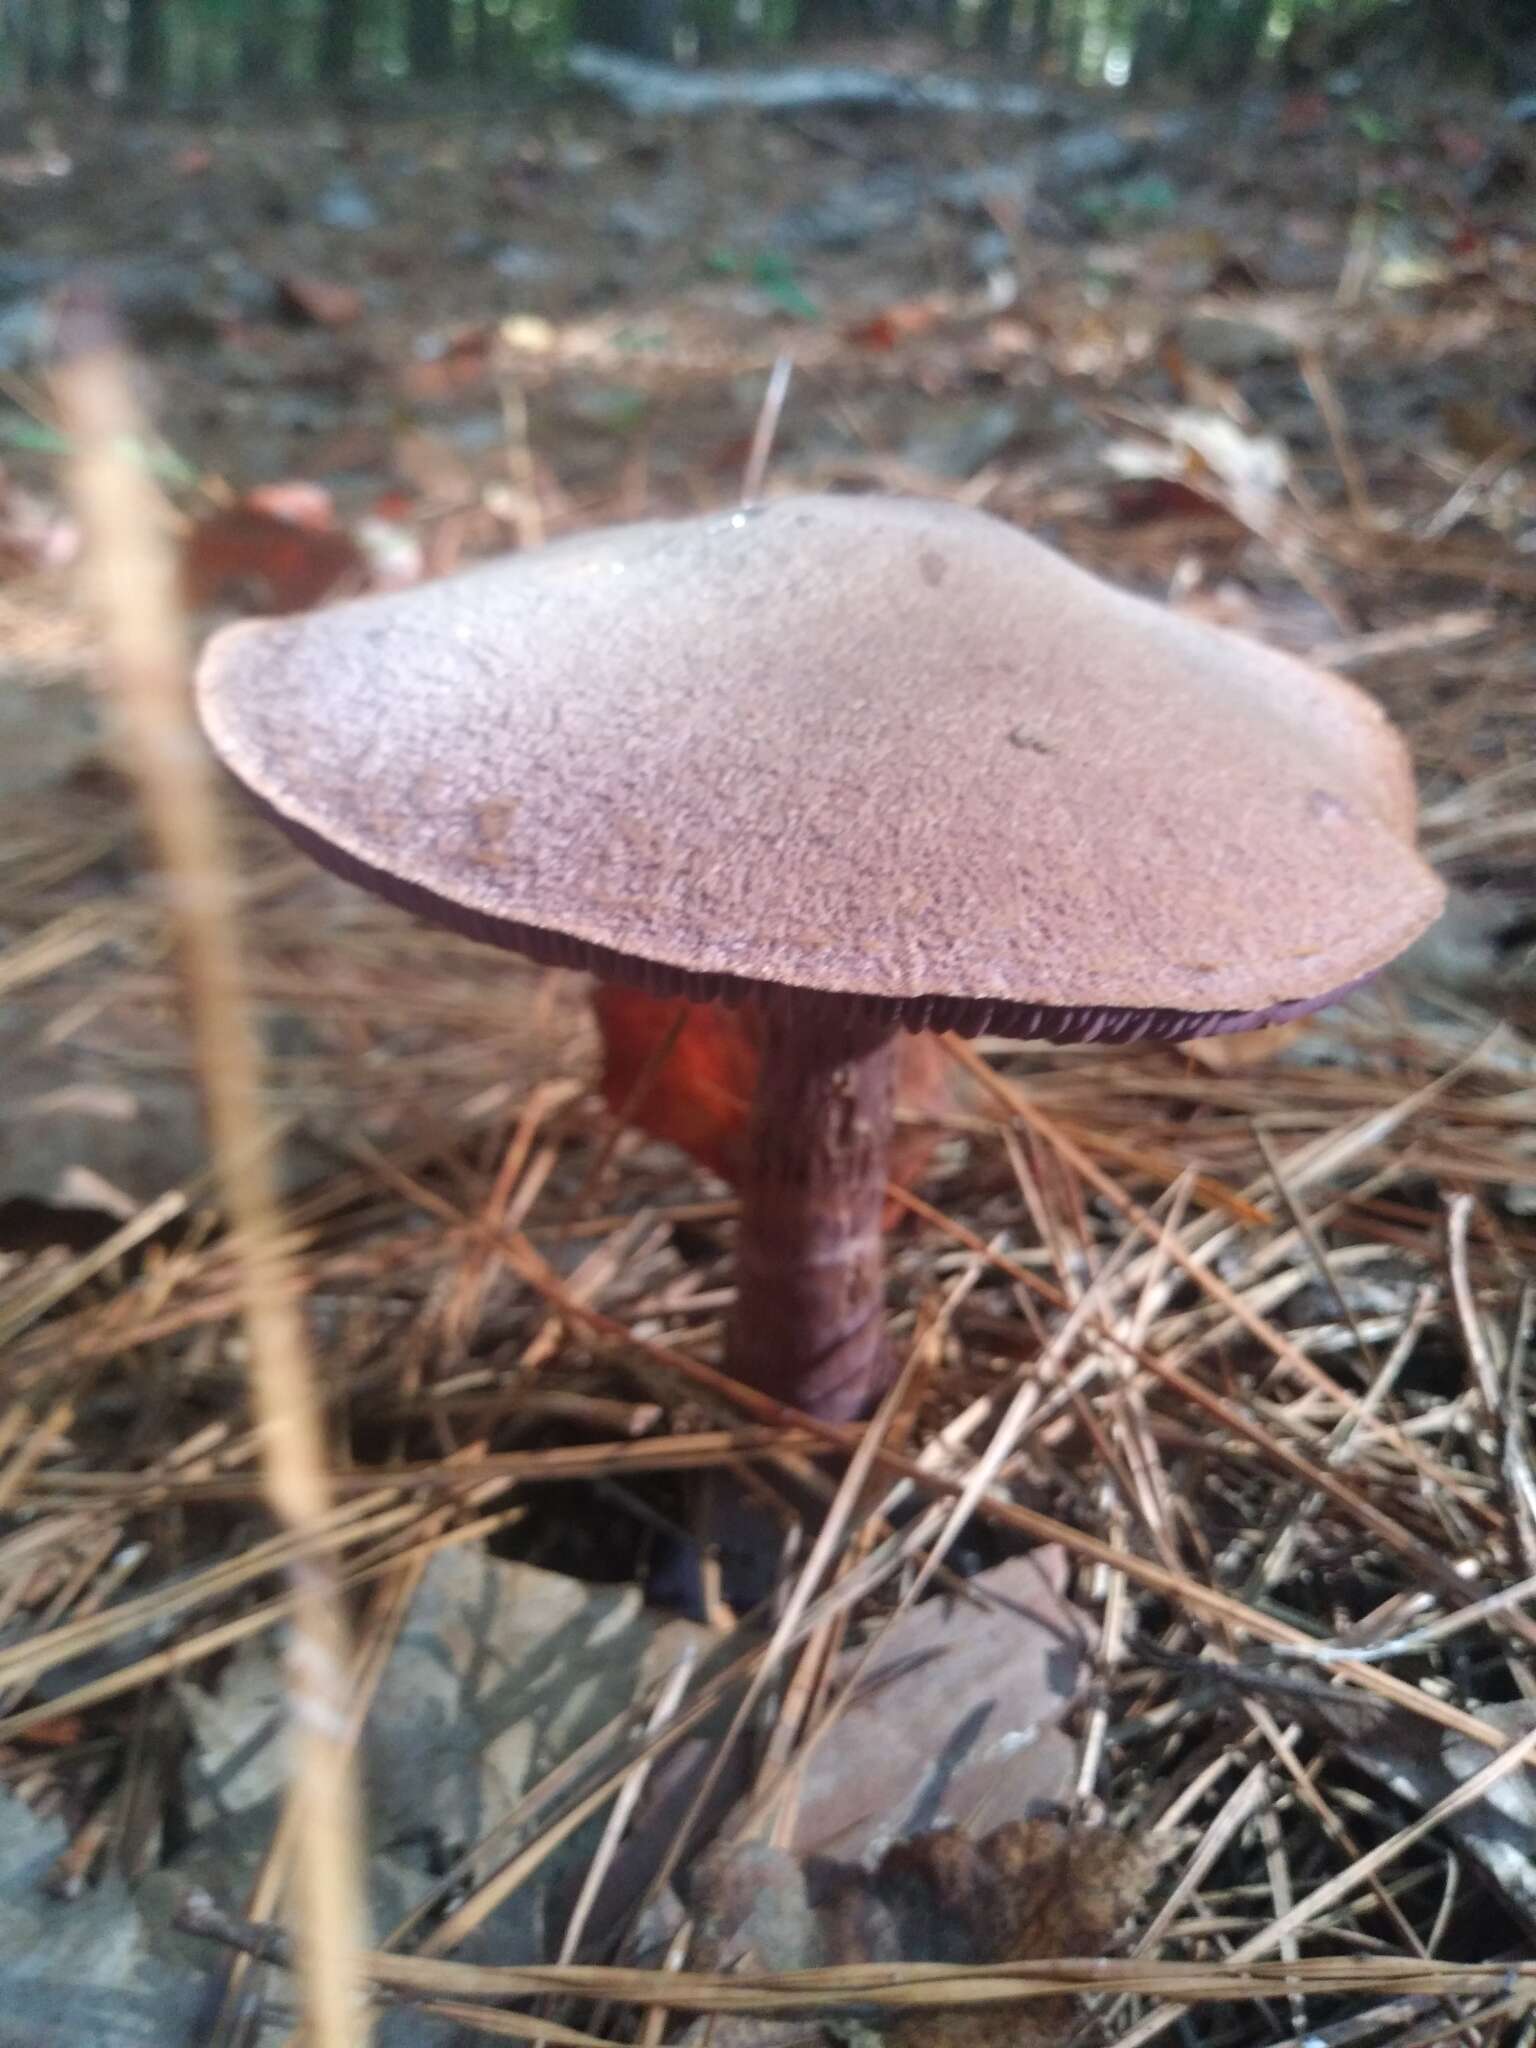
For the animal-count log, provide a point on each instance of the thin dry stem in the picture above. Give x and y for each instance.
(131, 581)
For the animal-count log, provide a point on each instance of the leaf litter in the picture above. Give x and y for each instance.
(1242, 1338)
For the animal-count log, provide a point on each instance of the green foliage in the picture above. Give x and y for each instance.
(1134, 202)
(176, 51)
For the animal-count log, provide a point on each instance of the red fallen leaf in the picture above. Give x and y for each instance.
(192, 161)
(318, 302)
(248, 557)
(63, 1732)
(1143, 500)
(393, 505)
(893, 325)
(685, 1072)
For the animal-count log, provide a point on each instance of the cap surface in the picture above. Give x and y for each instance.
(867, 747)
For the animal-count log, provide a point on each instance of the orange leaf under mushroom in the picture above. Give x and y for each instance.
(685, 1072)
(261, 558)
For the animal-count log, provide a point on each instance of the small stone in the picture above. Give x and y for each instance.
(964, 438)
(499, 1672)
(519, 264)
(1088, 155)
(846, 216)
(86, 1969)
(344, 204)
(1220, 342)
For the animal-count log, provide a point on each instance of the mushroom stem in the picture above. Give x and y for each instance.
(810, 1308)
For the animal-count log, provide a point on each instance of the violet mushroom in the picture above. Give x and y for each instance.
(869, 765)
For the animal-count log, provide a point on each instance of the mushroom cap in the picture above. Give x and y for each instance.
(867, 748)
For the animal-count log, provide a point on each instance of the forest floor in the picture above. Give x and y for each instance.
(1243, 1338)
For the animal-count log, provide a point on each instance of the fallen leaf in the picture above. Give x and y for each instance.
(253, 560)
(893, 325)
(297, 503)
(62, 1733)
(1304, 114)
(1235, 1051)
(449, 367)
(686, 1072)
(1497, 1831)
(1214, 459)
(1023, 1892)
(529, 334)
(1147, 501)
(1422, 1763)
(318, 301)
(955, 1718)
(33, 534)
(1481, 430)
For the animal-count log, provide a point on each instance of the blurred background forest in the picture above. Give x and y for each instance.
(162, 51)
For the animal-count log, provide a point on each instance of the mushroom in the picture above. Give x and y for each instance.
(866, 764)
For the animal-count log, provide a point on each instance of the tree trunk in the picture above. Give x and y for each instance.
(261, 43)
(336, 52)
(1228, 43)
(643, 28)
(28, 30)
(716, 25)
(1494, 40)
(80, 53)
(835, 17)
(429, 38)
(1042, 30)
(997, 28)
(144, 58)
(1153, 43)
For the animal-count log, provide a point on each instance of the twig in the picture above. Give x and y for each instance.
(131, 578)
(774, 395)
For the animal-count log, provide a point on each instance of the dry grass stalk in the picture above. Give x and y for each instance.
(132, 586)
(897, 1987)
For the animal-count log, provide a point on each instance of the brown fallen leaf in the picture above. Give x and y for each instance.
(319, 301)
(685, 1072)
(459, 365)
(1029, 1889)
(252, 559)
(955, 1718)
(62, 1733)
(916, 1830)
